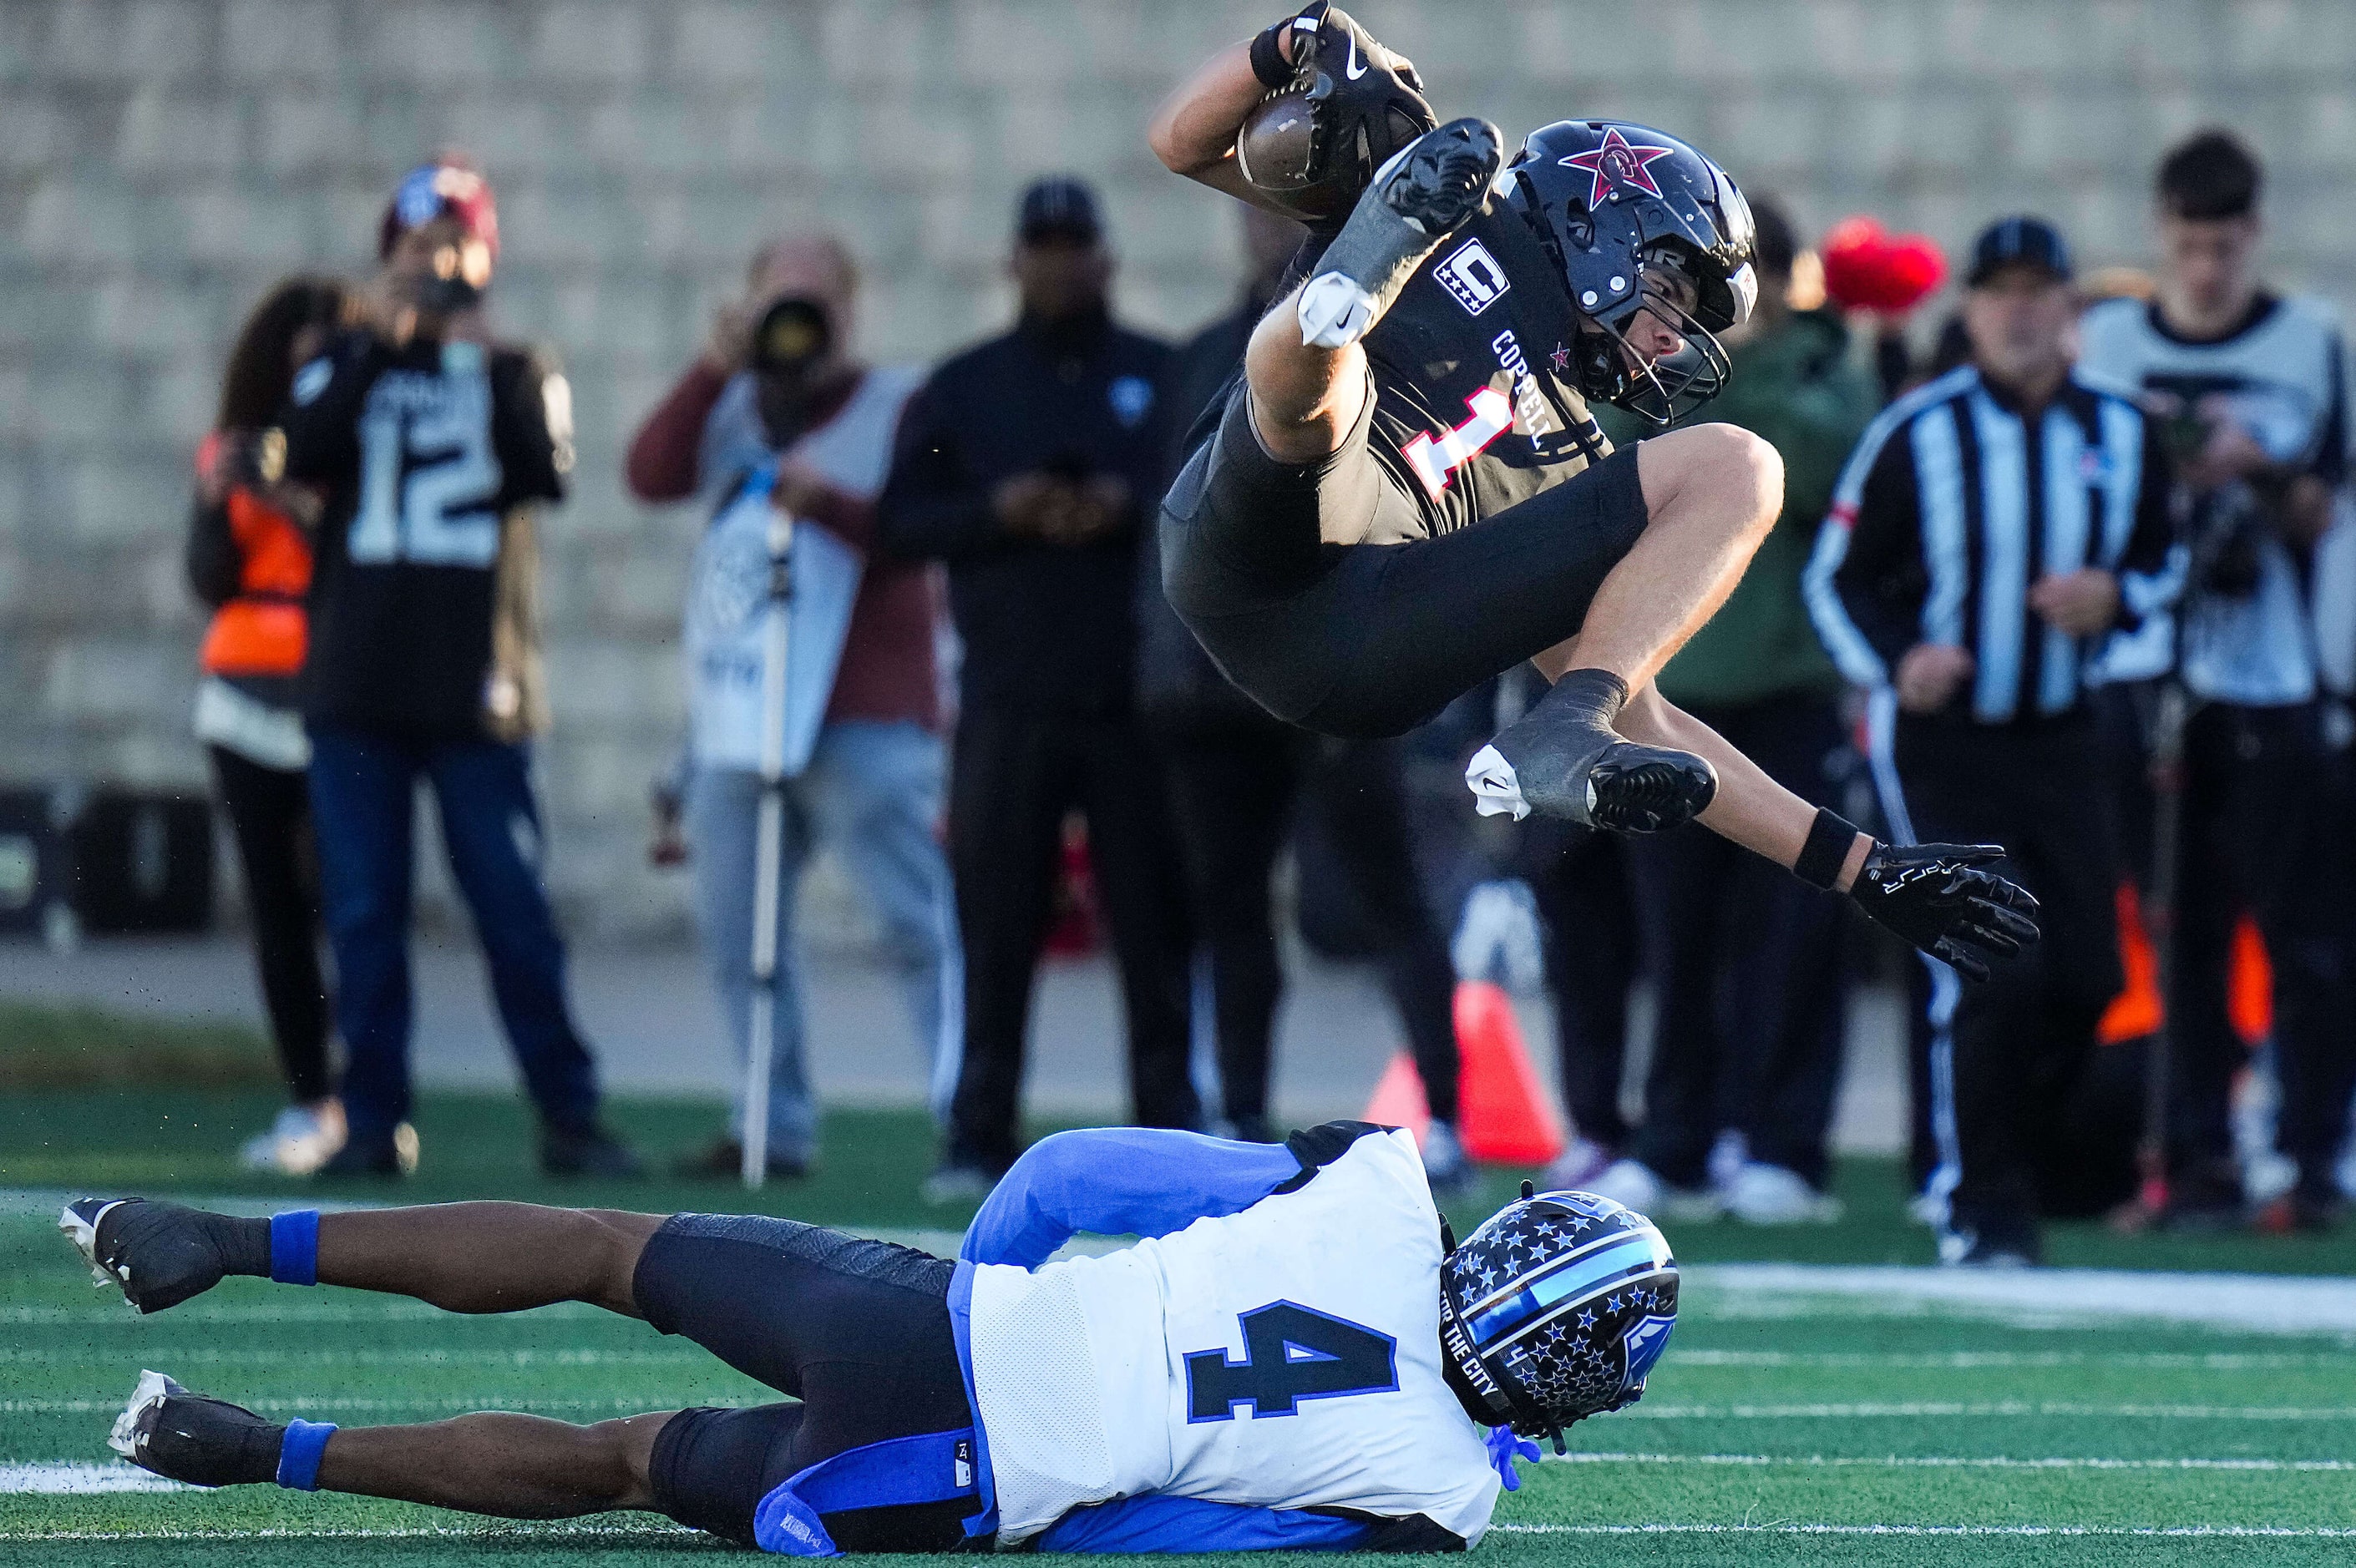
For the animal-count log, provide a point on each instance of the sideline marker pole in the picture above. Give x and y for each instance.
(768, 855)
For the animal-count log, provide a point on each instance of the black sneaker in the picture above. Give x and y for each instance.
(373, 1155)
(187, 1437)
(160, 1255)
(2205, 1201)
(1563, 759)
(1429, 189)
(587, 1151)
(2008, 1240)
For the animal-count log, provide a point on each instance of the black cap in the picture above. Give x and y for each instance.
(2022, 242)
(1058, 205)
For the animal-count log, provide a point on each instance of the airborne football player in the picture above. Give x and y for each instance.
(1297, 1355)
(1403, 494)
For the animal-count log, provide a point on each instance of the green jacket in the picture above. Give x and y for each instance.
(1793, 385)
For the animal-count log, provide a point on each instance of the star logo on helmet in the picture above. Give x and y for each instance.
(1617, 162)
(1561, 358)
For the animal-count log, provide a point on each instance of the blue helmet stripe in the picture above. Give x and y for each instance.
(1598, 1270)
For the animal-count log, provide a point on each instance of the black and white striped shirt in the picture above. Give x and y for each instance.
(1952, 505)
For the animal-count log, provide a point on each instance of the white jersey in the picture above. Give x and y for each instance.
(728, 607)
(1284, 1357)
(2282, 377)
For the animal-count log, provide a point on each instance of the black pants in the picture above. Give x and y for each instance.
(857, 1330)
(1012, 778)
(1580, 878)
(2007, 1053)
(1235, 786)
(270, 814)
(1748, 1034)
(1373, 639)
(2261, 834)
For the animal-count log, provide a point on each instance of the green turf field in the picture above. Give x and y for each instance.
(1785, 1427)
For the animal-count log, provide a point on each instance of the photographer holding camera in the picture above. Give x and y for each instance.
(1024, 464)
(2250, 388)
(778, 415)
(431, 443)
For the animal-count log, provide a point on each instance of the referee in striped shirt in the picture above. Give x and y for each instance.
(1991, 530)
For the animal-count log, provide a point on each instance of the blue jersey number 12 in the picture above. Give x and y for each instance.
(1290, 1353)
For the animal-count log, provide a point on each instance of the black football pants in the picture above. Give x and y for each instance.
(2261, 833)
(1748, 969)
(1014, 776)
(1235, 787)
(2007, 1052)
(1579, 876)
(1373, 639)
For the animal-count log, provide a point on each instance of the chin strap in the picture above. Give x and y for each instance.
(1505, 1447)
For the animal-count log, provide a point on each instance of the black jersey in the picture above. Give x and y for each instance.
(423, 449)
(1472, 412)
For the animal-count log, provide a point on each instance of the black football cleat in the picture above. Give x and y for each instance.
(1563, 759)
(185, 1436)
(1429, 189)
(160, 1255)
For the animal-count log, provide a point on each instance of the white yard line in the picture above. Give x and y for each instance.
(1954, 1462)
(1916, 1409)
(2250, 1303)
(76, 1478)
(502, 1532)
(359, 1406)
(303, 1357)
(1977, 1361)
(2230, 1532)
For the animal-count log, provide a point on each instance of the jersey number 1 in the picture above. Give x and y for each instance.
(1436, 458)
(1290, 1353)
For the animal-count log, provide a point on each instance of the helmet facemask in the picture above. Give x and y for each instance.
(1663, 389)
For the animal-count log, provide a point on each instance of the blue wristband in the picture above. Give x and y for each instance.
(299, 1452)
(295, 1248)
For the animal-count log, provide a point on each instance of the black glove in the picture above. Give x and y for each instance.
(1936, 897)
(1344, 106)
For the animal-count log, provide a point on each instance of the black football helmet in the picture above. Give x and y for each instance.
(1612, 202)
(1554, 1310)
(1312, 145)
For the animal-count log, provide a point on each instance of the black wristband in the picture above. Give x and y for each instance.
(1827, 850)
(1268, 60)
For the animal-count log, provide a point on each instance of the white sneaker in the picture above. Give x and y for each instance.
(1762, 1194)
(1576, 1168)
(1635, 1185)
(301, 1140)
(1445, 1163)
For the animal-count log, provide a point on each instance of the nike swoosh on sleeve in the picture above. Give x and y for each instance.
(1354, 68)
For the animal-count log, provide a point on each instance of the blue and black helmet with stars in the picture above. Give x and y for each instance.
(1555, 1309)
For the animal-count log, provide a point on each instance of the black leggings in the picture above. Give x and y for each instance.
(856, 1329)
(1371, 640)
(270, 813)
(1234, 789)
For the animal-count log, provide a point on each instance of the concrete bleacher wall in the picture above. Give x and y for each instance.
(162, 162)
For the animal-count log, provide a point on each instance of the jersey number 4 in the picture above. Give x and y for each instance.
(427, 479)
(1436, 458)
(1290, 1353)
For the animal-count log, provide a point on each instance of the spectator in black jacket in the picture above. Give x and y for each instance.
(1026, 464)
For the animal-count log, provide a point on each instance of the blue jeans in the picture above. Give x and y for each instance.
(363, 803)
(873, 792)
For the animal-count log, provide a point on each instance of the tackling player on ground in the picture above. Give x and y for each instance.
(1404, 494)
(1298, 1355)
